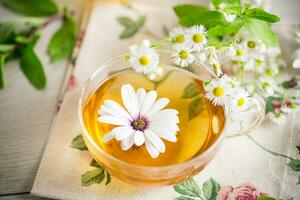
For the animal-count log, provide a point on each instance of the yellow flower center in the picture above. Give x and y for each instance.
(239, 52)
(241, 102)
(179, 38)
(258, 63)
(144, 60)
(251, 44)
(218, 91)
(198, 38)
(265, 85)
(183, 54)
(269, 72)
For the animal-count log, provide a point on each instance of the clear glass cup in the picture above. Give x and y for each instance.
(171, 174)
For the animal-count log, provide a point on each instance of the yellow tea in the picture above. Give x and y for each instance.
(200, 122)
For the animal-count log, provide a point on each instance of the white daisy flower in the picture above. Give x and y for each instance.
(197, 37)
(182, 56)
(144, 59)
(278, 118)
(211, 57)
(232, 82)
(178, 36)
(217, 91)
(267, 85)
(239, 101)
(240, 53)
(143, 121)
(257, 65)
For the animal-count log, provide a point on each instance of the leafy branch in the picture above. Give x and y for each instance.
(256, 20)
(96, 175)
(19, 37)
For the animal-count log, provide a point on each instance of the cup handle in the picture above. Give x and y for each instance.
(244, 123)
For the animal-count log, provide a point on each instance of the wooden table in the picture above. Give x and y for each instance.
(27, 114)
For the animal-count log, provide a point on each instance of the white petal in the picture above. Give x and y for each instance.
(296, 63)
(158, 105)
(122, 132)
(140, 93)
(129, 99)
(164, 133)
(155, 141)
(166, 114)
(127, 142)
(148, 101)
(105, 110)
(151, 149)
(109, 136)
(139, 138)
(109, 119)
(113, 105)
(166, 124)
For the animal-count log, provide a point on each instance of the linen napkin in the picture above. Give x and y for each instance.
(239, 160)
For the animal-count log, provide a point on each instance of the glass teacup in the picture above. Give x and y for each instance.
(167, 174)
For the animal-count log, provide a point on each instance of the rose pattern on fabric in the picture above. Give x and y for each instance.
(242, 192)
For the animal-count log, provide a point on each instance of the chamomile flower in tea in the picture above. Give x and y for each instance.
(143, 122)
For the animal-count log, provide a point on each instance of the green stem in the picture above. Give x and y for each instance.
(268, 150)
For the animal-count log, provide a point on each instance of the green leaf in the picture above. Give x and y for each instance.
(294, 164)
(2, 59)
(233, 10)
(188, 188)
(195, 108)
(190, 91)
(129, 32)
(108, 178)
(262, 30)
(210, 189)
(6, 47)
(131, 27)
(32, 66)
(141, 21)
(63, 41)
(262, 15)
(292, 83)
(207, 18)
(298, 180)
(221, 30)
(32, 7)
(184, 198)
(78, 143)
(184, 10)
(269, 106)
(125, 21)
(95, 176)
(267, 198)
(216, 3)
(6, 29)
(94, 163)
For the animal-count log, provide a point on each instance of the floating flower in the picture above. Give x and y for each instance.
(197, 37)
(178, 36)
(143, 121)
(182, 56)
(217, 91)
(144, 59)
(239, 101)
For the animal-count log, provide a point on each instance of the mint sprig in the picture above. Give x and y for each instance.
(256, 20)
(18, 37)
